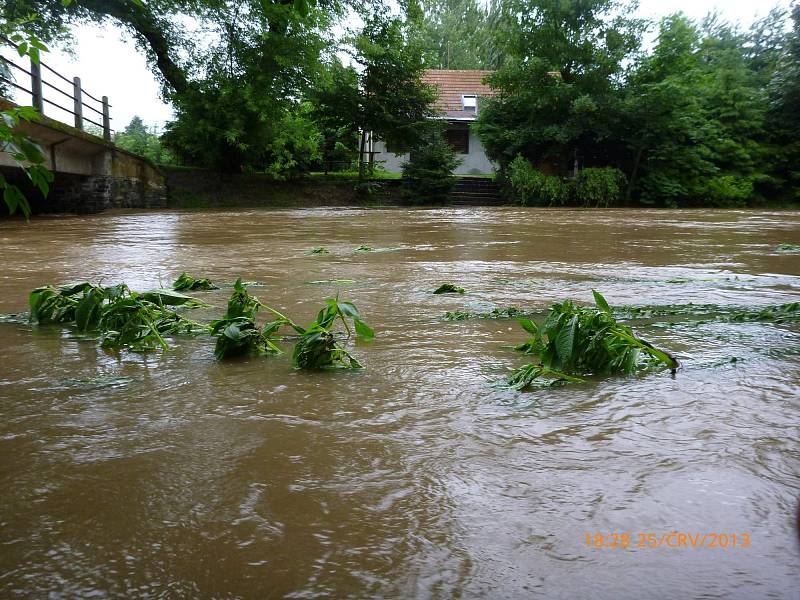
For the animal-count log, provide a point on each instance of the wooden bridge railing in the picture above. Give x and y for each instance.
(76, 93)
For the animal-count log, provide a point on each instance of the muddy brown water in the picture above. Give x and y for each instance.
(172, 475)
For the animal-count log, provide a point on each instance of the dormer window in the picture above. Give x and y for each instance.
(469, 103)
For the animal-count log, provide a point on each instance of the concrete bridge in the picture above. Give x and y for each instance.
(90, 173)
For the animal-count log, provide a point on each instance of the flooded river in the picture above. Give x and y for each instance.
(173, 475)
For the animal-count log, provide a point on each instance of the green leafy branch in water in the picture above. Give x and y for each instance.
(317, 346)
(125, 319)
(781, 313)
(496, 313)
(187, 283)
(449, 288)
(578, 341)
(238, 334)
(319, 250)
(788, 248)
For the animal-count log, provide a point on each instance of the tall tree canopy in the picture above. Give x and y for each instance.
(384, 94)
(460, 34)
(559, 90)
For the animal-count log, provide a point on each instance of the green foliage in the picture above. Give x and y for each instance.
(296, 146)
(697, 118)
(577, 341)
(599, 187)
(783, 118)
(531, 187)
(187, 283)
(428, 175)
(385, 95)
(137, 139)
(496, 313)
(708, 117)
(238, 334)
(460, 34)
(318, 347)
(449, 288)
(26, 153)
(124, 319)
(558, 89)
(319, 250)
(787, 248)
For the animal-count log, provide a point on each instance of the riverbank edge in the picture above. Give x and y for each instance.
(197, 188)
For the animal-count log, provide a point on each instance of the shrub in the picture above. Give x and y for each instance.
(599, 187)
(529, 186)
(728, 191)
(428, 175)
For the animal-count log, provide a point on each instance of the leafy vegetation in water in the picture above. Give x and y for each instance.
(780, 313)
(238, 334)
(187, 283)
(511, 312)
(787, 248)
(538, 377)
(319, 250)
(449, 288)
(172, 298)
(318, 346)
(241, 337)
(363, 248)
(127, 319)
(124, 318)
(330, 281)
(578, 341)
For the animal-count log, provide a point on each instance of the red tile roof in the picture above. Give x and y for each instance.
(454, 84)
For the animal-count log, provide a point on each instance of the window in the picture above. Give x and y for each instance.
(458, 140)
(469, 103)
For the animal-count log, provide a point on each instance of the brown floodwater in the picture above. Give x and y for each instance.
(173, 475)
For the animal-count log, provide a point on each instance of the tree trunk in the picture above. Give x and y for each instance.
(361, 156)
(634, 172)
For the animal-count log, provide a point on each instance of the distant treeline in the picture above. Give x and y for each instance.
(590, 110)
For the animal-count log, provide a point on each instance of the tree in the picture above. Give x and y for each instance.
(156, 25)
(559, 92)
(784, 115)
(137, 139)
(386, 95)
(459, 34)
(230, 92)
(428, 175)
(696, 118)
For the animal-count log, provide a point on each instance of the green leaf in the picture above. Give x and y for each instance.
(601, 302)
(364, 330)
(530, 327)
(565, 342)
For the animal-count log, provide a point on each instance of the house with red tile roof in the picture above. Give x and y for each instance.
(458, 104)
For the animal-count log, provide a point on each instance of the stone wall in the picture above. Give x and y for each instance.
(85, 194)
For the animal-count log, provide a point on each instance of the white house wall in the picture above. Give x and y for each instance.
(474, 163)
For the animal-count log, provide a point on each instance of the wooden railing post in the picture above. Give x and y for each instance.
(106, 120)
(77, 95)
(36, 86)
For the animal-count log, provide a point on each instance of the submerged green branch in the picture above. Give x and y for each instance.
(575, 342)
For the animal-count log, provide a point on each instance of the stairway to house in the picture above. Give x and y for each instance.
(476, 191)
